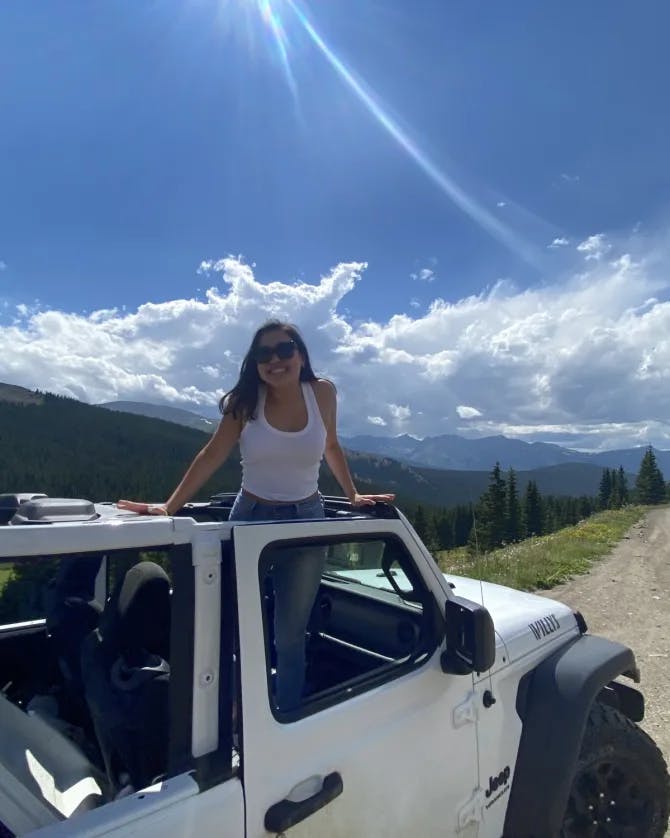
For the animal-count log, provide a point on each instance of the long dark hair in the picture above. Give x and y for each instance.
(241, 401)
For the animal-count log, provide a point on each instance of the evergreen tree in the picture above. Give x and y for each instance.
(605, 490)
(420, 523)
(430, 539)
(513, 516)
(650, 485)
(615, 496)
(445, 529)
(532, 510)
(463, 519)
(492, 509)
(619, 488)
(585, 507)
(550, 515)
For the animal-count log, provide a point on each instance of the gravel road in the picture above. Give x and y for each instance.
(626, 597)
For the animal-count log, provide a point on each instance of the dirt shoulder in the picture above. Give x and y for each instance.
(625, 597)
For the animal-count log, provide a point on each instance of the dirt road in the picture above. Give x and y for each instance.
(626, 597)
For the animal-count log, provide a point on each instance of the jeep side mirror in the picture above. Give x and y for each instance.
(471, 641)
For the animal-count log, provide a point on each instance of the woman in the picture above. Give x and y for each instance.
(284, 419)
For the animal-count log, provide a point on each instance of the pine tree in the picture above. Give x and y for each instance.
(615, 496)
(532, 510)
(420, 524)
(550, 515)
(585, 506)
(513, 511)
(619, 488)
(650, 485)
(491, 513)
(605, 490)
(463, 520)
(445, 530)
(430, 539)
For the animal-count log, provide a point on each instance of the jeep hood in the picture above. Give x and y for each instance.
(522, 621)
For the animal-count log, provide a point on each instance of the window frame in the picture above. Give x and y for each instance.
(179, 545)
(432, 625)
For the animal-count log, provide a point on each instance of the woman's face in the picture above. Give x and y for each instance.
(278, 359)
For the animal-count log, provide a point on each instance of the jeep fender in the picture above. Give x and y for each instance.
(553, 702)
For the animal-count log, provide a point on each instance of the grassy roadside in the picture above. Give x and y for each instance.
(535, 563)
(548, 560)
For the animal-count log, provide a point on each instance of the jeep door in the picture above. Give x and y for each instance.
(378, 745)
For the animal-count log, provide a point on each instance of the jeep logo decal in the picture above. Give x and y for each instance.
(496, 782)
(544, 626)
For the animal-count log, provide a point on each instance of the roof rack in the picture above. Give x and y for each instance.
(335, 507)
(34, 508)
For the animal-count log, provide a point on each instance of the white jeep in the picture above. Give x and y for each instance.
(137, 678)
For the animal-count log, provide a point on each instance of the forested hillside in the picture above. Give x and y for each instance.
(63, 447)
(60, 446)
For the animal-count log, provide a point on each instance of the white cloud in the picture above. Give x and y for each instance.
(595, 247)
(501, 204)
(585, 358)
(401, 413)
(561, 241)
(166, 351)
(424, 275)
(568, 178)
(3, 265)
(466, 412)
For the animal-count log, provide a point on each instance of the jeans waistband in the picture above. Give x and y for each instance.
(265, 502)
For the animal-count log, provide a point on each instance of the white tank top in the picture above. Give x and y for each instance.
(283, 465)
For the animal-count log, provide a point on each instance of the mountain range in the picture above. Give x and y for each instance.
(414, 468)
(167, 414)
(450, 451)
(447, 451)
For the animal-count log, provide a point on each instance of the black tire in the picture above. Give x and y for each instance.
(621, 786)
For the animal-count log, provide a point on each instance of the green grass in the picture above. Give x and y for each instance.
(5, 572)
(548, 560)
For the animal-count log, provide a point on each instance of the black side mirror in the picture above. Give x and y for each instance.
(471, 640)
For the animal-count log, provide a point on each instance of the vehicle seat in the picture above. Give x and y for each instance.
(72, 613)
(126, 675)
(38, 762)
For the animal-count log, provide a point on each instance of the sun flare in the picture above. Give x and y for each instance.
(282, 17)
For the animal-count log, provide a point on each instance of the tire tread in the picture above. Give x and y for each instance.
(606, 724)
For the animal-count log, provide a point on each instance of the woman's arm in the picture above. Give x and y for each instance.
(204, 464)
(334, 455)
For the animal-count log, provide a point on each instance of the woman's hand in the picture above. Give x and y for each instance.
(142, 508)
(370, 500)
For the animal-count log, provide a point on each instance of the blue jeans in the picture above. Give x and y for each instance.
(296, 576)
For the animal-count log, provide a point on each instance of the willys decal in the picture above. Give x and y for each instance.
(544, 626)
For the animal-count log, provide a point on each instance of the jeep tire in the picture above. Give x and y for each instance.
(621, 786)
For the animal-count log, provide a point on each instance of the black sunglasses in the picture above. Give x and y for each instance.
(283, 350)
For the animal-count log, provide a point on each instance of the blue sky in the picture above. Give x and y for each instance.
(140, 139)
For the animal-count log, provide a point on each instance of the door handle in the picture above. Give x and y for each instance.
(287, 813)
